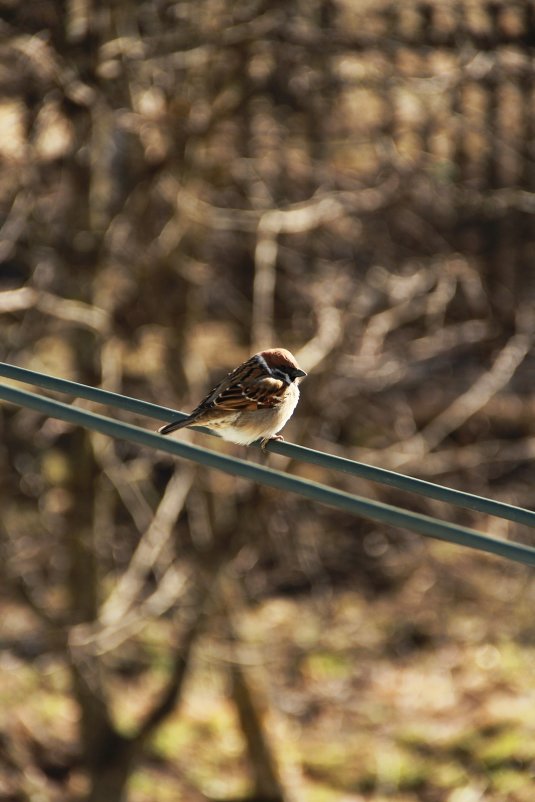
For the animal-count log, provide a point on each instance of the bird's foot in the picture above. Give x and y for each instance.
(267, 440)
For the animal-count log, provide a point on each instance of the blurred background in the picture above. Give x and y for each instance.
(182, 184)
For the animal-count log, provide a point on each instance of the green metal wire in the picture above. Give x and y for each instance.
(356, 505)
(400, 481)
(459, 498)
(77, 390)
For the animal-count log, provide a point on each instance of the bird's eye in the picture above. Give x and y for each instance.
(281, 374)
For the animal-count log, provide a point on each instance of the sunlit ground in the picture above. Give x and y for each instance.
(422, 694)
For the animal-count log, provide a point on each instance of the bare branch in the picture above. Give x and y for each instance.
(153, 544)
(325, 340)
(99, 639)
(490, 383)
(82, 314)
(264, 284)
(294, 219)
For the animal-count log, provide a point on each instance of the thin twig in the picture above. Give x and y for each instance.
(154, 542)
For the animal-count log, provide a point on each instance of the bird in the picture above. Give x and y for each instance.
(251, 403)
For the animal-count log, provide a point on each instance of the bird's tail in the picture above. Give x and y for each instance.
(174, 425)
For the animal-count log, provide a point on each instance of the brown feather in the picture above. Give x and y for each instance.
(246, 389)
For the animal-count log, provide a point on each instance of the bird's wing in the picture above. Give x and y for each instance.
(246, 389)
(264, 393)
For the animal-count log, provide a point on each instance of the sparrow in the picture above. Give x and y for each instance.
(252, 403)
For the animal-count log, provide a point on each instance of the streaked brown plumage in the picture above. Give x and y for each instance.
(253, 402)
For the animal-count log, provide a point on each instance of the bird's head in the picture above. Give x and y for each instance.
(282, 364)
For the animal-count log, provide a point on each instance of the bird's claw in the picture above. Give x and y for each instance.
(267, 440)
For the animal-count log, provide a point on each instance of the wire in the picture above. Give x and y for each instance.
(372, 473)
(77, 390)
(374, 510)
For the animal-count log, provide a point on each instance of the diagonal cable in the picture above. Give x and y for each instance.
(356, 505)
(400, 481)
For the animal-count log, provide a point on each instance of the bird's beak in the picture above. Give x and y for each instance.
(299, 374)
